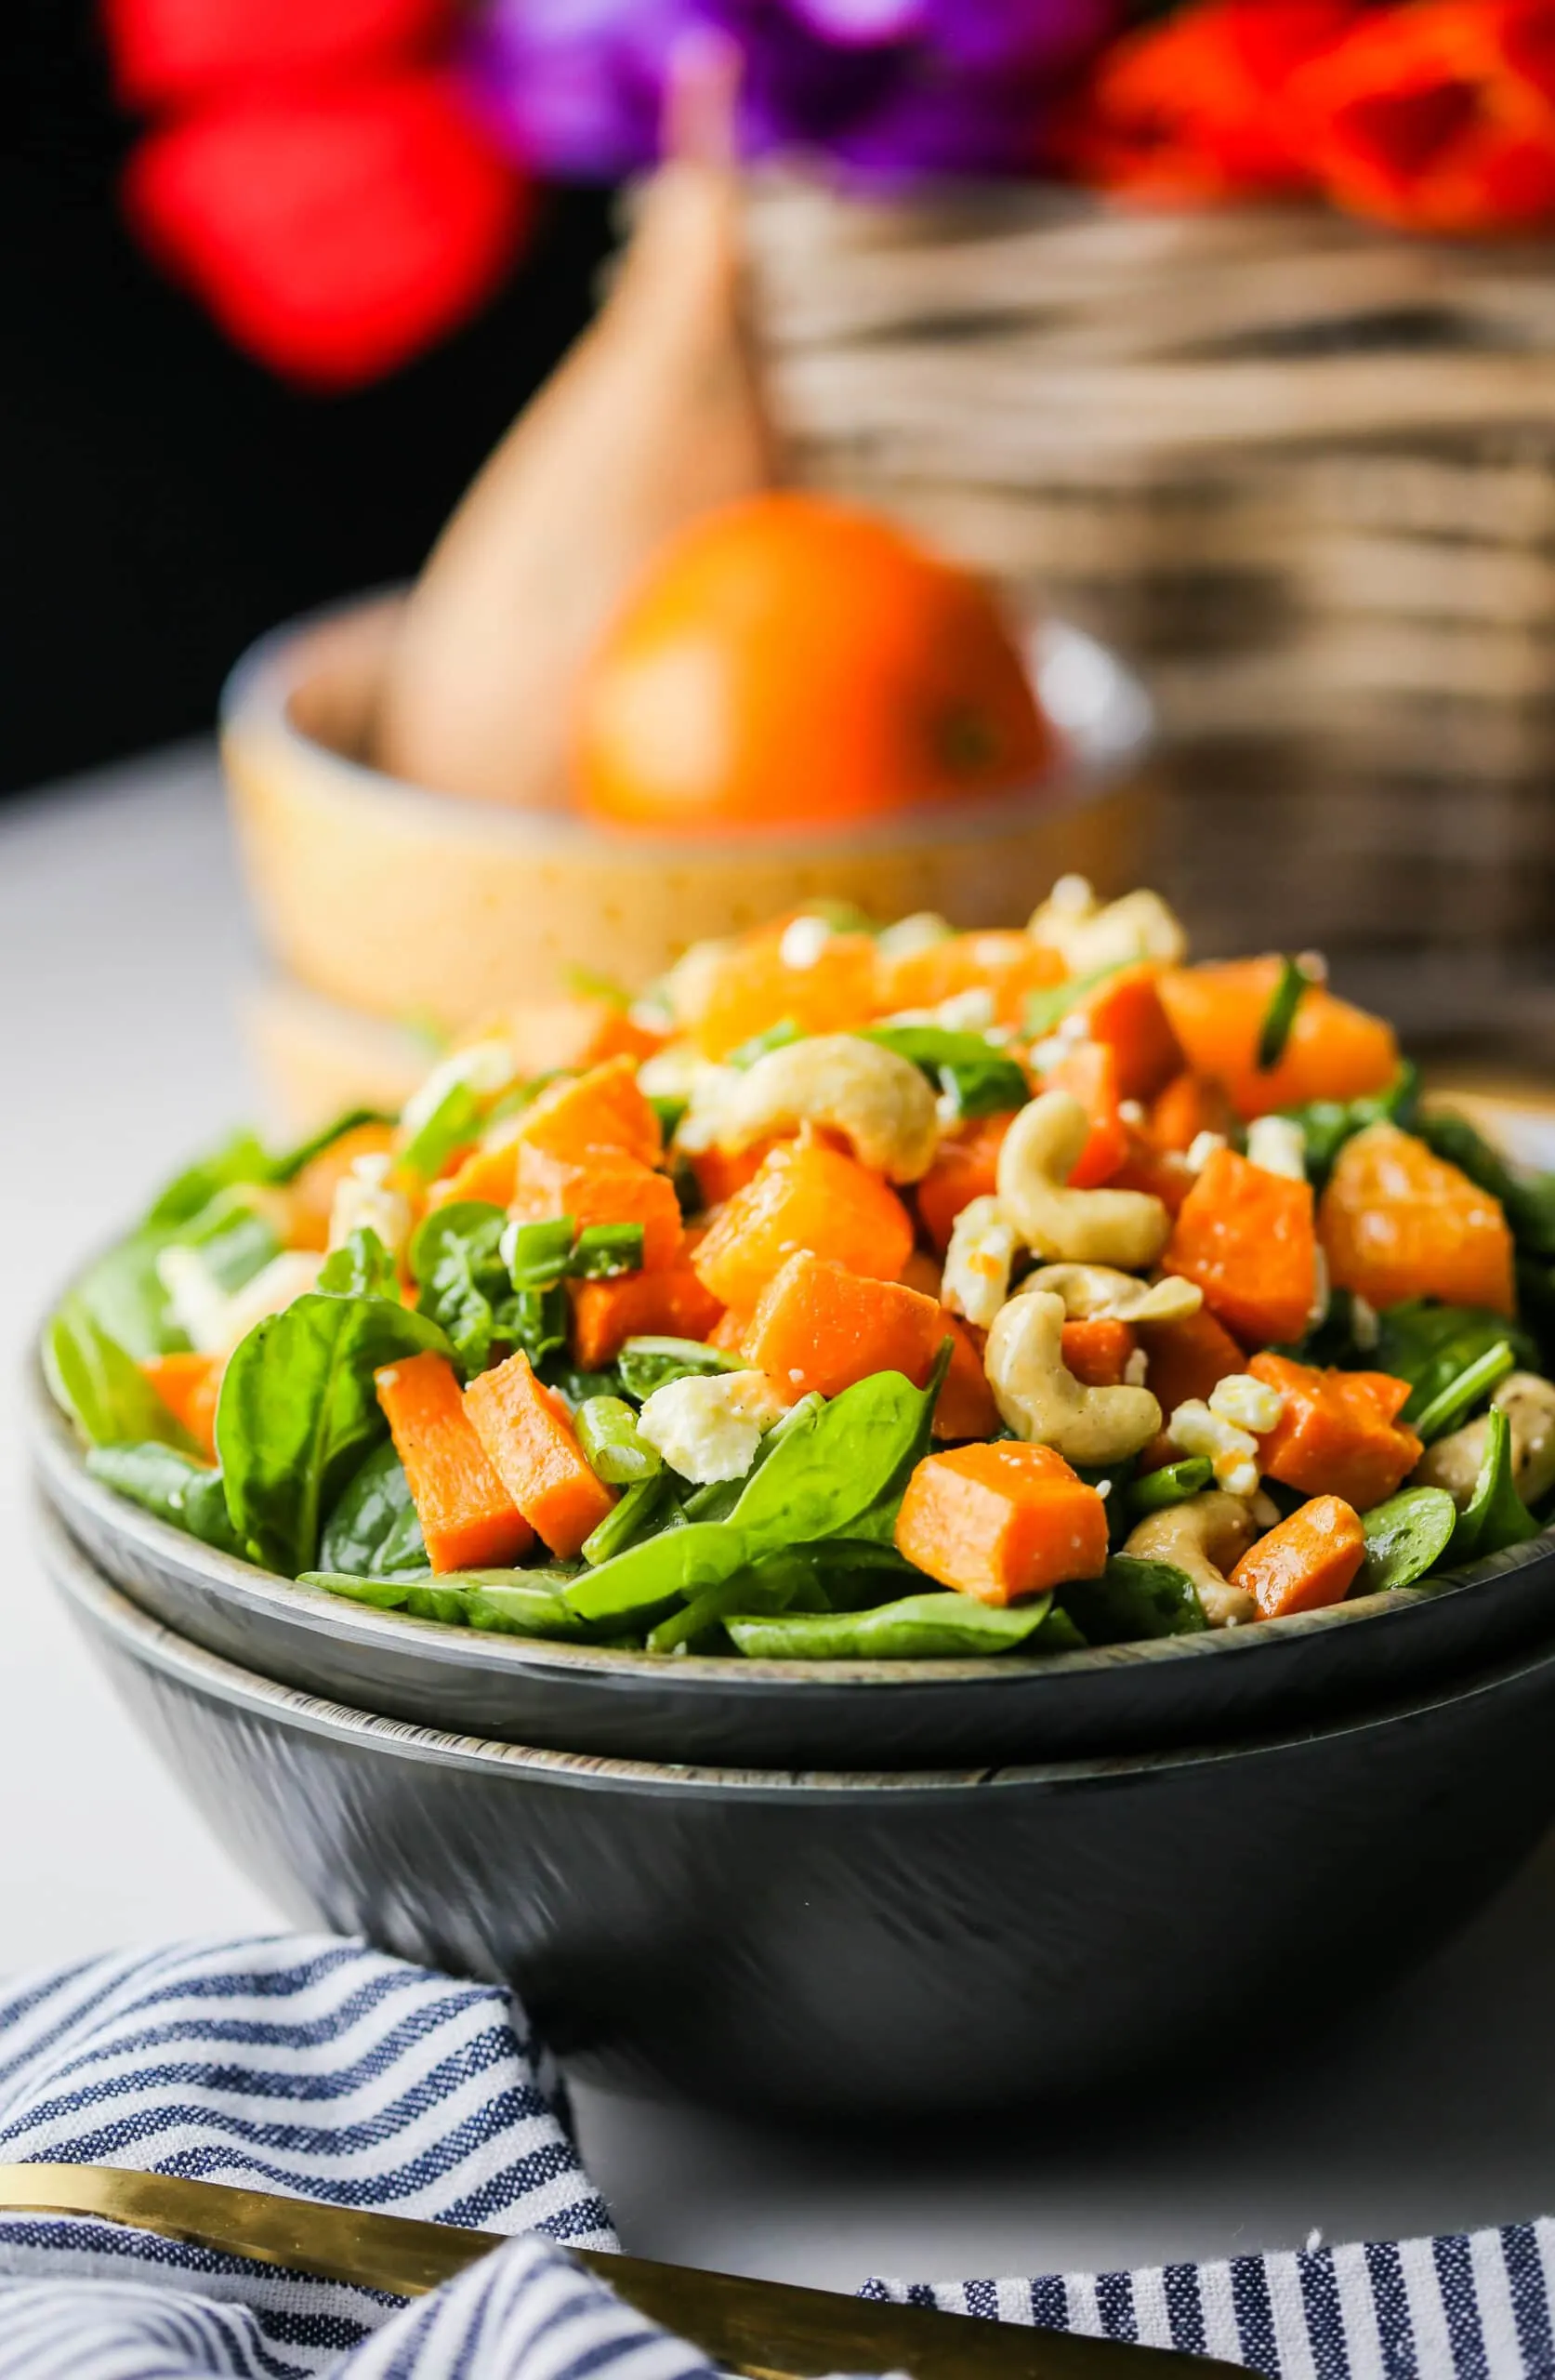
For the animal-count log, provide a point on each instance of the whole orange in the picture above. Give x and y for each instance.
(791, 661)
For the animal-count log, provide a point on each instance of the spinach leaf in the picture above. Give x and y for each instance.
(362, 1267)
(654, 1574)
(645, 1364)
(123, 1288)
(187, 1495)
(647, 1505)
(834, 1466)
(1453, 1404)
(1406, 1537)
(1327, 1124)
(782, 1584)
(930, 1627)
(422, 1598)
(298, 1413)
(1496, 1515)
(508, 1603)
(977, 1078)
(101, 1387)
(241, 1158)
(373, 1531)
(1429, 1346)
(521, 1605)
(1046, 1009)
(877, 1521)
(1133, 1599)
(461, 1280)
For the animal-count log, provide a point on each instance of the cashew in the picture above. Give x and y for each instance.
(879, 1102)
(976, 1277)
(1453, 1462)
(1126, 1228)
(1088, 936)
(1207, 1536)
(1090, 1292)
(1041, 1400)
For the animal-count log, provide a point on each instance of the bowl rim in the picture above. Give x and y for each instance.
(1096, 750)
(59, 1466)
(154, 1646)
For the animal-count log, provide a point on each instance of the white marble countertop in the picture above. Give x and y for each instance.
(122, 956)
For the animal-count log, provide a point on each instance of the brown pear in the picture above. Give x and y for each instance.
(654, 417)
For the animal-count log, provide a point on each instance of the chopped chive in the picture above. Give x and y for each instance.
(1173, 1483)
(628, 1520)
(1280, 1015)
(603, 1250)
(536, 1255)
(1456, 1401)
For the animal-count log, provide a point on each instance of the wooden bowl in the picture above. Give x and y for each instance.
(895, 1944)
(387, 902)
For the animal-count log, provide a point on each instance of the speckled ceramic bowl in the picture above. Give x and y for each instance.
(831, 1944)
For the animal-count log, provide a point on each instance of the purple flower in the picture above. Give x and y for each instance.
(891, 89)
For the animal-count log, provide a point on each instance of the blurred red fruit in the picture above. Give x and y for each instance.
(169, 52)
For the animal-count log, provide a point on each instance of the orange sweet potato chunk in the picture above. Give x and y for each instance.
(311, 1195)
(1002, 1521)
(1190, 1104)
(1124, 1013)
(1334, 1050)
(1248, 1237)
(1185, 1359)
(469, 1520)
(1338, 1435)
(1398, 1222)
(1089, 1075)
(189, 1385)
(1097, 1351)
(966, 1406)
(805, 1196)
(964, 1169)
(603, 1186)
(1309, 1561)
(529, 1440)
(818, 1325)
(1006, 963)
(606, 1314)
(601, 1109)
(749, 987)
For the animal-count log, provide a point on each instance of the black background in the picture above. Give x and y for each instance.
(162, 499)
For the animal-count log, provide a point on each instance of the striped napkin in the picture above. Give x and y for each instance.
(318, 2067)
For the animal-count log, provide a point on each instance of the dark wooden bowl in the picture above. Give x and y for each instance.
(831, 1944)
(838, 1714)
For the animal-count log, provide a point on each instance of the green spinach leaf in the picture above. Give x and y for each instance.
(930, 1627)
(101, 1387)
(1496, 1515)
(373, 1530)
(187, 1495)
(361, 1267)
(1134, 1599)
(1429, 1346)
(298, 1413)
(1327, 1124)
(977, 1078)
(645, 1364)
(1406, 1537)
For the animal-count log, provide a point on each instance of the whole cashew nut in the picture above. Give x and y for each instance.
(1041, 1400)
(1088, 936)
(1453, 1462)
(1207, 1536)
(1126, 1228)
(877, 1100)
(1091, 1291)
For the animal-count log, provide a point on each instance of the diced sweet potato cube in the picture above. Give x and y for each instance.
(818, 1325)
(602, 1187)
(1338, 1435)
(1089, 1075)
(1124, 1012)
(1006, 963)
(1097, 1349)
(965, 1168)
(672, 1302)
(601, 1109)
(1190, 1104)
(1185, 1359)
(735, 994)
(719, 1172)
(1333, 1051)
(1309, 1561)
(469, 1520)
(805, 1196)
(1002, 1521)
(1397, 1222)
(189, 1385)
(966, 1406)
(1248, 1237)
(530, 1442)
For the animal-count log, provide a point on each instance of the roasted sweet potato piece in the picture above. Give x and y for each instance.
(529, 1441)
(469, 1520)
(1248, 1237)
(1002, 1521)
(818, 1325)
(1398, 1222)
(805, 1196)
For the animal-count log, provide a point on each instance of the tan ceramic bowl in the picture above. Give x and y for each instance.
(383, 903)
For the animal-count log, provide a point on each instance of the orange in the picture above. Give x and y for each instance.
(792, 662)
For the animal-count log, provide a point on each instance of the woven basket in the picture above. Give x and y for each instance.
(1302, 473)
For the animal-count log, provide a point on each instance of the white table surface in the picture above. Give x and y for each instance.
(123, 954)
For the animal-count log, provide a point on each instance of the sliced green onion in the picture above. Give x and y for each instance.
(776, 1036)
(536, 1255)
(601, 1251)
(1456, 1401)
(1280, 1015)
(633, 1517)
(648, 1363)
(1173, 1483)
(614, 1447)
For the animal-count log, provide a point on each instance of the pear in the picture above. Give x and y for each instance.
(654, 417)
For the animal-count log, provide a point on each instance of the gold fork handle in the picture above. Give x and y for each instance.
(766, 2330)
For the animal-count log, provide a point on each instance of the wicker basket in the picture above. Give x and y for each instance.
(1303, 472)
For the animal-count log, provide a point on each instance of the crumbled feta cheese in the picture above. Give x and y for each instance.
(1130, 1111)
(920, 931)
(1200, 1148)
(803, 941)
(1073, 896)
(968, 1012)
(1247, 1402)
(1278, 1145)
(1135, 1371)
(1194, 1429)
(671, 1073)
(981, 1250)
(709, 1426)
(1313, 966)
(363, 1201)
(487, 1067)
(212, 1322)
(1087, 937)
(1365, 1327)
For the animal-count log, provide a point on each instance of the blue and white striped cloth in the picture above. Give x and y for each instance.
(322, 2070)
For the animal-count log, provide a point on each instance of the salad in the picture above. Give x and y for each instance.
(854, 1292)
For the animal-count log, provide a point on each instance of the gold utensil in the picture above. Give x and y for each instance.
(763, 2329)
